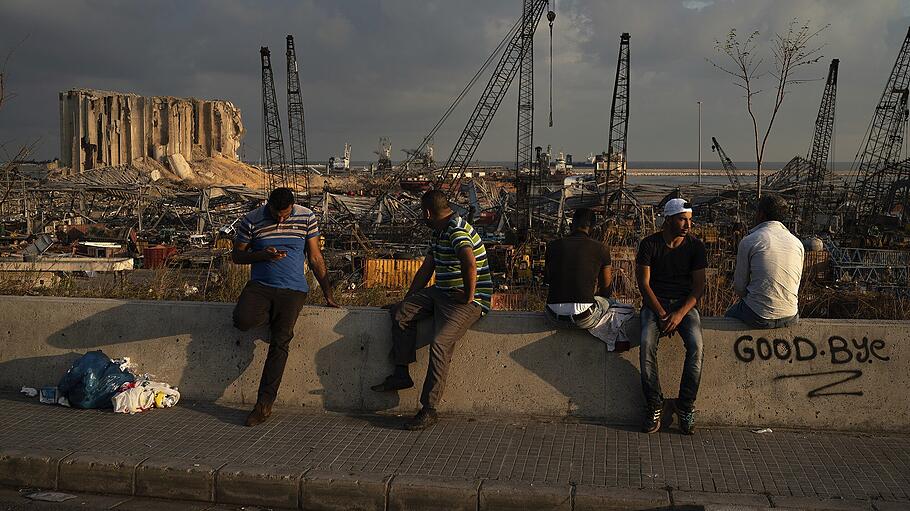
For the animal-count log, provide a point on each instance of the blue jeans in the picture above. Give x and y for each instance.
(690, 331)
(744, 313)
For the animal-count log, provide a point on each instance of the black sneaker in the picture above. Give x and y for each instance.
(652, 420)
(393, 383)
(425, 418)
(686, 421)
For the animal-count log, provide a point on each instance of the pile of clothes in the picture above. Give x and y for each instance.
(143, 394)
(97, 381)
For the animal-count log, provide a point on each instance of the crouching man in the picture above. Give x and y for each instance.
(276, 239)
(459, 298)
(574, 266)
(670, 269)
(769, 268)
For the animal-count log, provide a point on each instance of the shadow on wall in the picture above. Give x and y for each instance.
(553, 361)
(24, 369)
(359, 358)
(554, 358)
(217, 354)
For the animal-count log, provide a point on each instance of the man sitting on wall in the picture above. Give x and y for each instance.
(574, 265)
(769, 268)
(459, 298)
(276, 239)
(670, 269)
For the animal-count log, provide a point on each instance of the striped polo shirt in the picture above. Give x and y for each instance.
(261, 230)
(446, 243)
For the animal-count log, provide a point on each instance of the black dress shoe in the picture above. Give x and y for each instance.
(393, 383)
(425, 418)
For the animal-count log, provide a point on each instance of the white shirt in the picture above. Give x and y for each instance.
(769, 267)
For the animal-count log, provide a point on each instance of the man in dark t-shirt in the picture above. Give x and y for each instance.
(670, 269)
(574, 265)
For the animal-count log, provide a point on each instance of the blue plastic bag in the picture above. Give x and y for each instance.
(92, 381)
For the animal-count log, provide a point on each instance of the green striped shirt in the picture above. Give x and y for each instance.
(444, 249)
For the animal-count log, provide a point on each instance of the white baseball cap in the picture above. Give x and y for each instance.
(676, 206)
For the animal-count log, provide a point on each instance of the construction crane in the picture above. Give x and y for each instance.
(727, 163)
(385, 155)
(296, 125)
(619, 126)
(425, 157)
(882, 144)
(525, 141)
(273, 143)
(808, 203)
(492, 96)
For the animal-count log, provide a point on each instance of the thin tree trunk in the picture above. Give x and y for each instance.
(758, 180)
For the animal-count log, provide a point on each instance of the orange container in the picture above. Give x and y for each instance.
(156, 256)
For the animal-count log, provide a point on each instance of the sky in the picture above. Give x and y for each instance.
(372, 68)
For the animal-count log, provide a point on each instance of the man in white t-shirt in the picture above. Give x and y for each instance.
(769, 267)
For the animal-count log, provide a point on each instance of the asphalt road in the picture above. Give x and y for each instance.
(11, 500)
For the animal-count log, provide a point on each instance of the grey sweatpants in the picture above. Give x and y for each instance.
(451, 319)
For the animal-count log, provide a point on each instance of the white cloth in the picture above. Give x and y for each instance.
(611, 327)
(569, 309)
(769, 267)
(146, 394)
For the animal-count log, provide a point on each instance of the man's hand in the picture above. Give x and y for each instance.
(461, 296)
(272, 254)
(671, 321)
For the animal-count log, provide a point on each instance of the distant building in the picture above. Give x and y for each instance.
(103, 128)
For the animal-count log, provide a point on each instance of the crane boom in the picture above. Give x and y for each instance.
(296, 125)
(271, 127)
(727, 163)
(619, 123)
(490, 100)
(808, 203)
(883, 143)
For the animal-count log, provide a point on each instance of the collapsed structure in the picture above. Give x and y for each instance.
(104, 128)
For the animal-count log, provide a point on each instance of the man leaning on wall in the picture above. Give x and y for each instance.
(276, 239)
(769, 268)
(459, 298)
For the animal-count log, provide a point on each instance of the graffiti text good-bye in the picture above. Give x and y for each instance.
(836, 350)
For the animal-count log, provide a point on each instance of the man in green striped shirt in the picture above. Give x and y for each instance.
(459, 298)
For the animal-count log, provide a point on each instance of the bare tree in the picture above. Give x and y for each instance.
(790, 51)
(9, 160)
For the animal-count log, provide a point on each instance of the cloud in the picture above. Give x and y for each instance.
(697, 5)
(372, 68)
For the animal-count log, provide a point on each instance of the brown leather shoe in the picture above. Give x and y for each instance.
(260, 414)
(425, 418)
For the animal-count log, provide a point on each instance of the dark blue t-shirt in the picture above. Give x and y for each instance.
(261, 230)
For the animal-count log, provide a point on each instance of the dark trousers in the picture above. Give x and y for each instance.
(690, 331)
(279, 308)
(451, 319)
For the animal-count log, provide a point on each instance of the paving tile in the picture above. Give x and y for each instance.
(838, 467)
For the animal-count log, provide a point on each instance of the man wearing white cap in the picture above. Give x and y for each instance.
(670, 269)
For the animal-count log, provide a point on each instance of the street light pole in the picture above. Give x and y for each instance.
(699, 142)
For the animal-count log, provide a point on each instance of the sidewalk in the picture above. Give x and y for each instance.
(200, 451)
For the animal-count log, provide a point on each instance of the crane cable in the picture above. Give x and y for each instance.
(551, 15)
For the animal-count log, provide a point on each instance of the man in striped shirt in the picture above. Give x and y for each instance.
(277, 240)
(459, 298)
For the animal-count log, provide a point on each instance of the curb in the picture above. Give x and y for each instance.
(290, 487)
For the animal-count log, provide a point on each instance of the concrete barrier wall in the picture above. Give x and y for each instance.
(823, 374)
